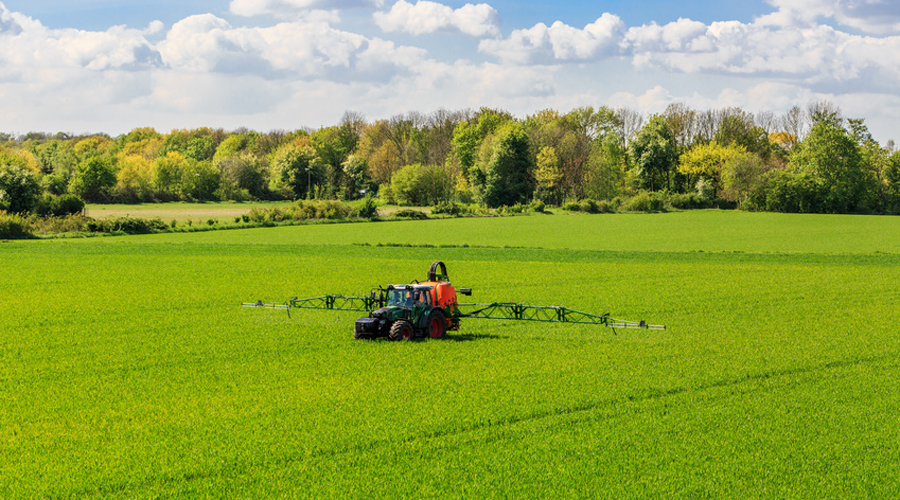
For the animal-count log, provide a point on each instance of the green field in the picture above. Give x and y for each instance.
(128, 369)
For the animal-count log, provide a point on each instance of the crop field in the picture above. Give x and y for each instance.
(128, 369)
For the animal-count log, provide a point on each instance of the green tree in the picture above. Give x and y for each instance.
(94, 179)
(168, 174)
(504, 178)
(296, 167)
(422, 185)
(200, 181)
(654, 154)
(548, 176)
(708, 161)
(19, 188)
(831, 155)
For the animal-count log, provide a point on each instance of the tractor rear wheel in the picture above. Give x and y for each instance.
(437, 324)
(401, 330)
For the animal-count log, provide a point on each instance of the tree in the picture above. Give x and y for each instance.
(168, 174)
(831, 155)
(296, 167)
(243, 176)
(94, 179)
(356, 171)
(19, 188)
(743, 177)
(654, 154)
(504, 178)
(422, 185)
(548, 176)
(605, 171)
(135, 179)
(708, 161)
(200, 181)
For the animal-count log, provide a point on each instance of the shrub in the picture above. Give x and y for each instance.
(449, 208)
(130, 225)
(689, 201)
(67, 204)
(646, 202)
(410, 214)
(589, 206)
(19, 188)
(14, 227)
(608, 207)
(369, 208)
(537, 206)
(572, 206)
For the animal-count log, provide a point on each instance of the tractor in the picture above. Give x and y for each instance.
(423, 309)
(429, 309)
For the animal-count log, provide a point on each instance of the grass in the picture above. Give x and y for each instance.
(128, 371)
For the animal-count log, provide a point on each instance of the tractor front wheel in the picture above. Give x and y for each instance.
(437, 324)
(401, 330)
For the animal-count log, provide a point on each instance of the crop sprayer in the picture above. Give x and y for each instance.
(429, 309)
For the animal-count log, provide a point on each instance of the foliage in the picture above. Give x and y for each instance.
(408, 213)
(129, 225)
(421, 185)
(296, 167)
(14, 227)
(831, 157)
(504, 178)
(794, 193)
(548, 176)
(19, 188)
(304, 210)
(451, 208)
(654, 154)
(646, 202)
(369, 208)
(708, 160)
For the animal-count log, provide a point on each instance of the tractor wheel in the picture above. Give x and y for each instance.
(359, 335)
(437, 324)
(401, 330)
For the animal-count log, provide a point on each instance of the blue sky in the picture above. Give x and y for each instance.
(113, 65)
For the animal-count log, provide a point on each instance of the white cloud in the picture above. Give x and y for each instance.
(871, 16)
(560, 41)
(291, 8)
(428, 17)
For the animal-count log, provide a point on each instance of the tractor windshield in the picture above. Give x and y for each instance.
(400, 297)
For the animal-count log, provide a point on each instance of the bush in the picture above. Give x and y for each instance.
(129, 225)
(689, 201)
(67, 204)
(410, 214)
(19, 189)
(449, 208)
(608, 207)
(14, 227)
(646, 202)
(589, 206)
(369, 208)
(572, 206)
(537, 206)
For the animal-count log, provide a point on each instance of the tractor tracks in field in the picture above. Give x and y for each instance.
(616, 407)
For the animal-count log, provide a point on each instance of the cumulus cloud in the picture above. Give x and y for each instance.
(870, 16)
(428, 17)
(560, 42)
(290, 8)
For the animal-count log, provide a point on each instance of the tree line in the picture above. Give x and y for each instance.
(806, 160)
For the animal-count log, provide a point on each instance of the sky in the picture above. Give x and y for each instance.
(115, 65)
